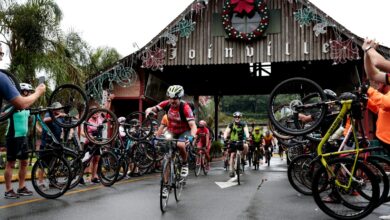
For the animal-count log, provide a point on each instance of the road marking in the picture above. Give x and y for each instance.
(229, 183)
(74, 192)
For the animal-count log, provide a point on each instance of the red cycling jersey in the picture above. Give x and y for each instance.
(175, 124)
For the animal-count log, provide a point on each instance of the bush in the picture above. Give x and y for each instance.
(216, 149)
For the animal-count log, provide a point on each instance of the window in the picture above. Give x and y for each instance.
(257, 69)
(246, 24)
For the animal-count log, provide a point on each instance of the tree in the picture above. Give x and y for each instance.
(100, 59)
(28, 30)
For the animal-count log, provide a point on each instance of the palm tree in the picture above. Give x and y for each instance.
(28, 30)
(100, 59)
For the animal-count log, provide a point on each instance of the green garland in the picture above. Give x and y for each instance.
(227, 14)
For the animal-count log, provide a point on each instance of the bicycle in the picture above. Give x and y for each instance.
(344, 178)
(170, 175)
(236, 162)
(201, 162)
(51, 168)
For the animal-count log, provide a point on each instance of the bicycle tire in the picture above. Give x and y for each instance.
(7, 109)
(322, 183)
(105, 130)
(205, 165)
(283, 102)
(76, 167)
(198, 165)
(294, 173)
(56, 176)
(123, 168)
(138, 126)
(143, 153)
(380, 163)
(74, 104)
(238, 167)
(179, 181)
(165, 172)
(108, 168)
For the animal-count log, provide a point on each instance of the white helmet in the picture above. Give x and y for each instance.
(26, 86)
(121, 119)
(175, 91)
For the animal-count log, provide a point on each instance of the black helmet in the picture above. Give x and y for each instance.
(330, 94)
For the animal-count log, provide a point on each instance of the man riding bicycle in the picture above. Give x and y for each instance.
(202, 139)
(268, 145)
(237, 131)
(178, 127)
(257, 138)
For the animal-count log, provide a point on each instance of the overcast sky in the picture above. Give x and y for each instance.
(120, 23)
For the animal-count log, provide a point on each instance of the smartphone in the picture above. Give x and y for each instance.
(41, 80)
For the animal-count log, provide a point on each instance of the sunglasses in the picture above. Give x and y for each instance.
(237, 117)
(175, 98)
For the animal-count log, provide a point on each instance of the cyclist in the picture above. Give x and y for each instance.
(16, 143)
(163, 126)
(268, 144)
(179, 128)
(237, 131)
(257, 138)
(203, 139)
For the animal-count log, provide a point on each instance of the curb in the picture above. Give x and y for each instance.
(15, 177)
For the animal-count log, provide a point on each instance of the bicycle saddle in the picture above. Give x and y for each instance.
(348, 96)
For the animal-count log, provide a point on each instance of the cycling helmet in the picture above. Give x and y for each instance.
(202, 123)
(26, 87)
(56, 105)
(267, 133)
(237, 114)
(257, 128)
(175, 91)
(121, 119)
(330, 94)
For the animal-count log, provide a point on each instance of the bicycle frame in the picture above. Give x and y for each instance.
(346, 107)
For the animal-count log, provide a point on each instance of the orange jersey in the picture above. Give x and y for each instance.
(380, 104)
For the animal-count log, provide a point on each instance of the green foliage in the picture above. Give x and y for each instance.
(216, 149)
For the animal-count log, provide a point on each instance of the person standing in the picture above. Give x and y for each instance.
(16, 143)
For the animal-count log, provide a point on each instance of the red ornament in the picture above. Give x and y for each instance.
(243, 5)
(341, 51)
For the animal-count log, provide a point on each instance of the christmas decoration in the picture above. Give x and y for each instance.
(305, 16)
(172, 39)
(341, 51)
(197, 7)
(320, 28)
(153, 60)
(244, 5)
(121, 75)
(185, 28)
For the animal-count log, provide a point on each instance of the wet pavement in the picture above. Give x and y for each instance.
(138, 198)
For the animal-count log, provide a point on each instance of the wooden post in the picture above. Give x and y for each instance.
(216, 104)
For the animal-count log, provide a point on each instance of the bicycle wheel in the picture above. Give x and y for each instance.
(76, 167)
(238, 167)
(346, 203)
(287, 103)
(123, 168)
(108, 168)
(70, 100)
(138, 126)
(7, 108)
(143, 154)
(377, 165)
(294, 171)
(179, 181)
(164, 185)
(51, 176)
(198, 165)
(101, 126)
(205, 165)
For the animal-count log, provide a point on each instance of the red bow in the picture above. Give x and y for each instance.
(243, 5)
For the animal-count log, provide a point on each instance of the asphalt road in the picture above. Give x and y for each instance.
(138, 198)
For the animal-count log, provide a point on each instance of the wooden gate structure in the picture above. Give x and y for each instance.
(241, 47)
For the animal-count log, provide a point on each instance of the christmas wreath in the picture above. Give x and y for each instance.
(245, 8)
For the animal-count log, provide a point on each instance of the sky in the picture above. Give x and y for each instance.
(120, 23)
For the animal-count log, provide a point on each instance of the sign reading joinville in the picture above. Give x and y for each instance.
(245, 20)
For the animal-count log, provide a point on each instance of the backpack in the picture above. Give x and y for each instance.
(181, 109)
